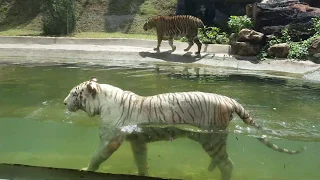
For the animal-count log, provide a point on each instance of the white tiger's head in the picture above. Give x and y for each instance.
(84, 97)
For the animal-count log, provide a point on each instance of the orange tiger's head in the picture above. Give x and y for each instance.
(149, 24)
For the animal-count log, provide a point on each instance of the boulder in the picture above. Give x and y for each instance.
(313, 3)
(314, 47)
(245, 49)
(279, 50)
(233, 38)
(249, 35)
(271, 18)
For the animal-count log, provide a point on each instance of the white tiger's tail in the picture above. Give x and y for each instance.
(244, 115)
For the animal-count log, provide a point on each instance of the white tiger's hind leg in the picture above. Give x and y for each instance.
(215, 144)
(226, 167)
(139, 150)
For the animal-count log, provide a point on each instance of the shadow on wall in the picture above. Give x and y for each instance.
(121, 14)
(17, 13)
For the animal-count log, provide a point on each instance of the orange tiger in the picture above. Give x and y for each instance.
(179, 25)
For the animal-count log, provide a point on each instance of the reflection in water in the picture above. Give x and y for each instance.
(37, 133)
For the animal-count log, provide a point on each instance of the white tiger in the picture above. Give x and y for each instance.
(118, 109)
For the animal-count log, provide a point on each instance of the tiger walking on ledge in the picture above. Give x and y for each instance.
(179, 25)
(124, 115)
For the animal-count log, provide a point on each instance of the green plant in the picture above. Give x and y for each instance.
(237, 23)
(298, 50)
(316, 26)
(213, 35)
(285, 38)
(58, 17)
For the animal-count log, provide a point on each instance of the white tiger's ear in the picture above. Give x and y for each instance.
(92, 88)
(93, 79)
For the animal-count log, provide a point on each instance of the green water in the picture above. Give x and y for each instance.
(36, 129)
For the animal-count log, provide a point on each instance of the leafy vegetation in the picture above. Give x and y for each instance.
(298, 50)
(213, 35)
(58, 17)
(15, 14)
(237, 23)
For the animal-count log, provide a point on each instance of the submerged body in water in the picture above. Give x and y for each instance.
(119, 108)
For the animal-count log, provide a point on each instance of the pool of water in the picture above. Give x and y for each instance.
(36, 129)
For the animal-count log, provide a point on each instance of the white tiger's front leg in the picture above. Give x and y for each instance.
(105, 150)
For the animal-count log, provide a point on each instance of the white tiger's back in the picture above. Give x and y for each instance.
(195, 108)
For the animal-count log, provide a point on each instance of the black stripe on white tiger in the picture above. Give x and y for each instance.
(173, 26)
(119, 109)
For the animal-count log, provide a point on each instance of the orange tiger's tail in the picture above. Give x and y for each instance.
(203, 28)
(244, 115)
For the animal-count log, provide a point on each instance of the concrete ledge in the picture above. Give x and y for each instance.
(212, 48)
(136, 52)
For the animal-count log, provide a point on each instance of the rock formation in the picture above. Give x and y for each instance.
(247, 43)
(272, 18)
(314, 47)
(279, 50)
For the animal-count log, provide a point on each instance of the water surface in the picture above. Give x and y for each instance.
(36, 129)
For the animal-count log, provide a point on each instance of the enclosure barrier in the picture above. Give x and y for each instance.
(27, 172)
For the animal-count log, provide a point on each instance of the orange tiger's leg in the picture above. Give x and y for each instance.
(196, 40)
(190, 42)
(139, 150)
(160, 37)
(171, 44)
